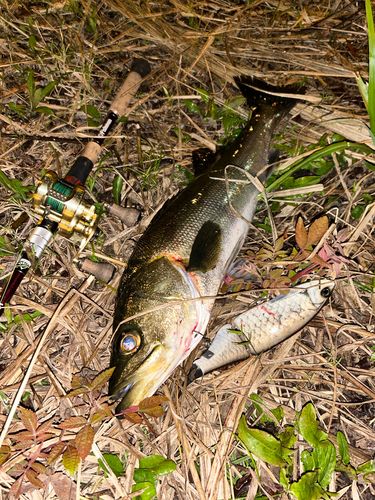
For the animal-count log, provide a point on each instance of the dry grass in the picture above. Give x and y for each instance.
(189, 45)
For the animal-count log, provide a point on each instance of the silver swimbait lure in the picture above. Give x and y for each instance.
(264, 326)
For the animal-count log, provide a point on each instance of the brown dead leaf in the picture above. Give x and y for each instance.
(32, 477)
(101, 379)
(318, 260)
(317, 230)
(16, 488)
(56, 452)
(152, 402)
(151, 406)
(65, 488)
(29, 419)
(76, 382)
(84, 441)
(133, 417)
(301, 234)
(73, 423)
(304, 255)
(279, 243)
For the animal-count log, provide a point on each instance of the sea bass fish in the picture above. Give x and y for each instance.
(167, 291)
(264, 326)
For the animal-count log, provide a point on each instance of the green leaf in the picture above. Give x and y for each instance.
(93, 123)
(44, 109)
(307, 461)
(263, 445)
(204, 95)
(18, 188)
(36, 98)
(149, 492)
(27, 317)
(308, 488)
(348, 469)
(8, 314)
(32, 42)
(337, 138)
(324, 455)
(145, 475)
(366, 468)
(307, 425)
(309, 180)
(158, 464)
(48, 89)
(284, 481)
(357, 211)
(71, 459)
(18, 109)
(287, 438)
(343, 448)
(213, 110)
(228, 121)
(363, 90)
(235, 102)
(114, 463)
(5, 181)
(118, 182)
(324, 169)
(91, 111)
(191, 106)
(31, 84)
(277, 412)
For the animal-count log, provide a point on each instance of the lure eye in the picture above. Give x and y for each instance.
(130, 342)
(326, 292)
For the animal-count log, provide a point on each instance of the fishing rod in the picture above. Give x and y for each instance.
(61, 204)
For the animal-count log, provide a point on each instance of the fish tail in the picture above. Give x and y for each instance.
(260, 94)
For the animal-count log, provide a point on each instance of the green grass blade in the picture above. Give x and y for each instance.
(363, 89)
(327, 150)
(371, 87)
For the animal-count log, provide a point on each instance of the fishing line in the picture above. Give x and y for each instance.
(208, 297)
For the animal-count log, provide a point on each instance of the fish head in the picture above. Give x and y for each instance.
(160, 332)
(319, 291)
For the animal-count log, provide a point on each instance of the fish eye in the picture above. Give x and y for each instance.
(130, 342)
(326, 292)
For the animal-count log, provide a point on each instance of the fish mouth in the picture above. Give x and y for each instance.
(133, 389)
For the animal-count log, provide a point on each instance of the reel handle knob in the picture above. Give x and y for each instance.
(102, 271)
(129, 216)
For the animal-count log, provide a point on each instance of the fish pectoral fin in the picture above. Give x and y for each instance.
(206, 249)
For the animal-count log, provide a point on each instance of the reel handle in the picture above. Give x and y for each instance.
(102, 271)
(129, 216)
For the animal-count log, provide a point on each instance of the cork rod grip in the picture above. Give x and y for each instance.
(140, 68)
(91, 152)
(126, 92)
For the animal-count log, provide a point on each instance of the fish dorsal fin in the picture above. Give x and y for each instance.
(205, 252)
